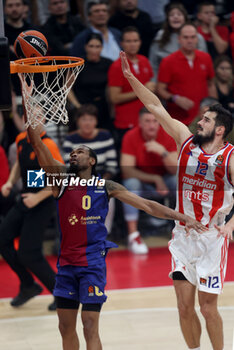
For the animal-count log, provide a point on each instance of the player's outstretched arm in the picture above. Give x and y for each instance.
(173, 127)
(44, 156)
(151, 207)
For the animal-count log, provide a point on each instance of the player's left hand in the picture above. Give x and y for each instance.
(125, 66)
(225, 231)
(30, 200)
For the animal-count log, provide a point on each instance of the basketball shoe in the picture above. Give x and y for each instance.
(136, 244)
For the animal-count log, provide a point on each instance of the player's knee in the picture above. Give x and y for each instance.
(66, 329)
(185, 310)
(208, 311)
(90, 326)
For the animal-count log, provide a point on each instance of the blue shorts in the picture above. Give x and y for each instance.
(84, 284)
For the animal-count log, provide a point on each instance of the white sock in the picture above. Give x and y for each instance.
(194, 348)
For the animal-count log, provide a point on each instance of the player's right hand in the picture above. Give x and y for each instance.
(6, 189)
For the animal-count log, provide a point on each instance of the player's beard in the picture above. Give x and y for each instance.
(75, 168)
(203, 139)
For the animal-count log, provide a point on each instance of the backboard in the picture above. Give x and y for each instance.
(5, 87)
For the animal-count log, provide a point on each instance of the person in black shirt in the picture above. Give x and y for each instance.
(130, 15)
(14, 25)
(92, 82)
(61, 28)
(28, 219)
(224, 82)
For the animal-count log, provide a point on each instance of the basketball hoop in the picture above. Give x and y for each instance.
(46, 82)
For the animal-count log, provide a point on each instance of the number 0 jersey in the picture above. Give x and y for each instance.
(205, 191)
(81, 215)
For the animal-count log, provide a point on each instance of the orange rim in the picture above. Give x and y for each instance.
(27, 65)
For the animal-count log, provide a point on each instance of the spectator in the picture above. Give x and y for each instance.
(130, 15)
(156, 11)
(40, 12)
(28, 219)
(126, 104)
(61, 28)
(82, 6)
(98, 17)
(148, 160)
(185, 77)
(14, 25)
(224, 82)
(100, 141)
(166, 40)
(216, 36)
(92, 83)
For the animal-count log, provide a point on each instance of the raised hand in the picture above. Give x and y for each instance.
(125, 66)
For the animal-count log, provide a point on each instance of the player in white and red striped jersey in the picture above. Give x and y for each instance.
(205, 192)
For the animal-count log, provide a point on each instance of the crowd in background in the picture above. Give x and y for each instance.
(183, 51)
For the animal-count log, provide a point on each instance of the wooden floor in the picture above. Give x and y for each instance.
(139, 319)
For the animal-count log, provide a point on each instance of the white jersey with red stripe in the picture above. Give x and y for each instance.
(206, 194)
(204, 189)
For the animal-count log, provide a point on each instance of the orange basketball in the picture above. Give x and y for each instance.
(30, 43)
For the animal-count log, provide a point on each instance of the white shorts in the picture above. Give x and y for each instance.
(202, 258)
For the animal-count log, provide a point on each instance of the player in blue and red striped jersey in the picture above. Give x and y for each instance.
(205, 175)
(82, 209)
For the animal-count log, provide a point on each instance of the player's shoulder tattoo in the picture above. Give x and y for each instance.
(112, 186)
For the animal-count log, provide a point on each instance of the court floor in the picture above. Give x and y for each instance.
(139, 319)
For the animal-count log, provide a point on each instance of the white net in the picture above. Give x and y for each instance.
(45, 93)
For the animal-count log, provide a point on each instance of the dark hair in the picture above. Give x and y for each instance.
(223, 118)
(87, 109)
(204, 3)
(143, 110)
(93, 154)
(208, 101)
(129, 29)
(221, 58)
(167, 30)
(92, 36)
(96, 2)
(5, 1)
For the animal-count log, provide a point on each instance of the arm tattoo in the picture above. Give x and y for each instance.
(112, 186)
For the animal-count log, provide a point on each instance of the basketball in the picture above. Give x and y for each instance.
(30, 43)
